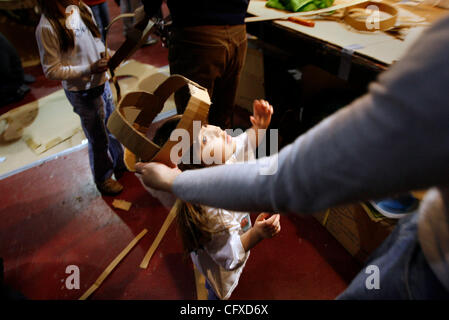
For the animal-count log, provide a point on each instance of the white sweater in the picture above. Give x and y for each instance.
(223, 258)
(71, 67)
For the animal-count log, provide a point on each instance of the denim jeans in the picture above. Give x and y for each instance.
(210, 292)
(128, 6)
(101, 14)
(94, 106)
(403, 270)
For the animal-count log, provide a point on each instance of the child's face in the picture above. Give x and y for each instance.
(216, 145)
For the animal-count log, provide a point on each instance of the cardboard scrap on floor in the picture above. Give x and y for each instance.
(112, 265)
(55, 123)
(121, 204)
(13, 122)
(200, 284)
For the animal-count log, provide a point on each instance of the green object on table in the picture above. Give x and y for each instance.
(299, 5)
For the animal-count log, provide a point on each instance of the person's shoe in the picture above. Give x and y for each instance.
(110, 187)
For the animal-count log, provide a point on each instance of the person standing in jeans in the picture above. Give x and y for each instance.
(100, 10)
(207, 45)
(129, 6)
(71, 51)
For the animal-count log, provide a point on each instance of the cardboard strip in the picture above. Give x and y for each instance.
(134, 40)
(112, 265)
(150, 105)
(200, 283)
(307, 13)
(136, 37)
(326, 215)
(160, 235)
(363, 25)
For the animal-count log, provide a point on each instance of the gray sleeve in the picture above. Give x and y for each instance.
(393, 139)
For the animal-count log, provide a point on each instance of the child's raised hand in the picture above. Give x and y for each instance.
(266, 226)
(262, 112)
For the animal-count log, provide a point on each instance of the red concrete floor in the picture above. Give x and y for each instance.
(52, 216)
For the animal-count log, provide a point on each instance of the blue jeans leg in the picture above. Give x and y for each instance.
(101, 14)
(94, 107)
(115, 148)
(210, 292)
(403, 270)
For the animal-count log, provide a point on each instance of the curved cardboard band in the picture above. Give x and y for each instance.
(131, 132)
(384, 24)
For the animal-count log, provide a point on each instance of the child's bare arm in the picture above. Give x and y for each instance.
(263, 228)
(261, 118)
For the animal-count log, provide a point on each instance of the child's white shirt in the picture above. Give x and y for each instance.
(223, 258)
(71, 67)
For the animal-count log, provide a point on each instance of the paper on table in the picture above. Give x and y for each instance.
(263, 13)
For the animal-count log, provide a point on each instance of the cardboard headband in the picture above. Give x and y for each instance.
(131, 130)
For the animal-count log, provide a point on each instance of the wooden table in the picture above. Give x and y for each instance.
(330, 44)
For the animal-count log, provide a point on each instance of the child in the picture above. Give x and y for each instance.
(71, 50)
(219, 240)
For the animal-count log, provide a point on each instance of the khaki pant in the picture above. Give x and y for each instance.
(213, 57)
